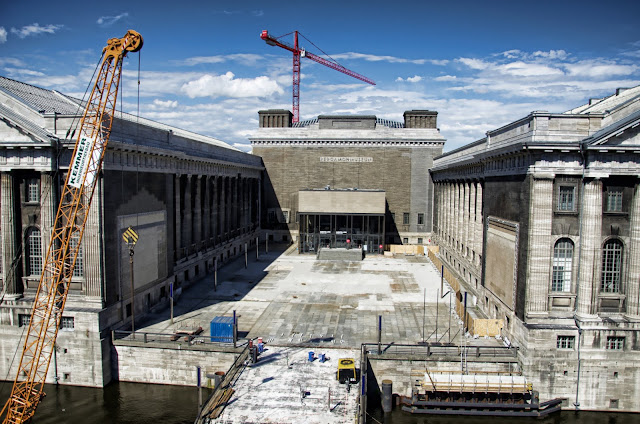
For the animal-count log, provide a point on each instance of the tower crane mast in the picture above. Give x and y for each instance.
(299, 52)
(68, 229)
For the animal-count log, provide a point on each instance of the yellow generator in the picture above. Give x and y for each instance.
(346, 371)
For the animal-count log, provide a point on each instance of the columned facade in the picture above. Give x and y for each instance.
(551, 231)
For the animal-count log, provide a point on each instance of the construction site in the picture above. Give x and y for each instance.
(347, 263)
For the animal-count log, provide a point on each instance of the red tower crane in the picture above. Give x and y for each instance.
(297, 54)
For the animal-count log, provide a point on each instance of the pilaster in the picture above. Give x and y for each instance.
(633, 287)
(589, 246)
(539, 261)
(8, 232)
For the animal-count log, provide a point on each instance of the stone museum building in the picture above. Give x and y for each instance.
(348, 179)
(193, 200)
(540, 220)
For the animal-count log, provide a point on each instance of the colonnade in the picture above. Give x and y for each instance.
(458, 218)
(213, 209)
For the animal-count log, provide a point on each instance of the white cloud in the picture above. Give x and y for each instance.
(523, 69)
(415, 78)
(473, 63)
(3, 35)
(110, 20)
(446, 78)
(376, 58)
(11, 61)
(165, 103)
(227, 85)
(244, 59)
(552, 54)
(35, 29)
(599, 69)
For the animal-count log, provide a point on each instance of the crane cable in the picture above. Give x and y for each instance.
(20, 247)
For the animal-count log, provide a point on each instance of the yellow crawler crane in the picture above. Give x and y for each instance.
(80, 184)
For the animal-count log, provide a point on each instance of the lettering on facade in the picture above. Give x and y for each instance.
(345, 159)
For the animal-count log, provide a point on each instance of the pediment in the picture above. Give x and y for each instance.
(623, 133)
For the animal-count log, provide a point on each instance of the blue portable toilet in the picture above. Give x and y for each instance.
(322, 357)
(221, 329)
(311, 358)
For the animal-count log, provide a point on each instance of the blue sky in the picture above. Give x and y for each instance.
(203, 67)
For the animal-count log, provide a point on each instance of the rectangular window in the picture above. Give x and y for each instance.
(614, 201)
(420, 219)
(67, 323)
(565, 342)
(78, 271)
(405, 218)
(33, 190)
(420, 240)
(285, 217)
(393, 217)
(566, 198)
(405, 240)
(615, 343)
(23, 320)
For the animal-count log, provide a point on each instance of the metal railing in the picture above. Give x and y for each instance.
(437, 350)
(178, 340)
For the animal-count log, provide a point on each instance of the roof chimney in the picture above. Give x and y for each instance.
(275, 118)
(420, 119)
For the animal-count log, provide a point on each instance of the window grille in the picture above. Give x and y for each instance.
(78, 271)
(67, 323)
(615, 343)
(614, 201)
(611, 267)
(566, 198)
(33, 190)
(565, 342)
(562, 264)
(405, 218)
(420, 219)
(34, 246)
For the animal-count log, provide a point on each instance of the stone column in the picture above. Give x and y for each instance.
(215, 210)
(197, 212)
(465, 221)
(479, 227)
(90, 252)
(206, 213)
(177, 184)
(448, 214)
(472, 222)
(633, 286)
(187, 223)
(223, 206)
(8, 233)
(588, 278)
(459, 208)
(539, 262)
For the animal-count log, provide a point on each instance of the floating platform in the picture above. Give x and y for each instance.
(483, 394)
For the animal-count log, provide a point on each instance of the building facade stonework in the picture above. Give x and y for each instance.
(193, 200)
(539, 219)
(345, 152)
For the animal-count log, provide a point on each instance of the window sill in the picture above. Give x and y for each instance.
(566, 213)
(615, 213)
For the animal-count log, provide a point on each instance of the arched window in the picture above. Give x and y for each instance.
(611, 267)
(562, 265)
(34, 252)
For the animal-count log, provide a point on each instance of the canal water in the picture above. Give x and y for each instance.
(118, 403)
(128, 403)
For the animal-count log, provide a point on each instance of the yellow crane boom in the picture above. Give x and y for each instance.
(68, 229)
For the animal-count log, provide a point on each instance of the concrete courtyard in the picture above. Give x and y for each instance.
(292, 299)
